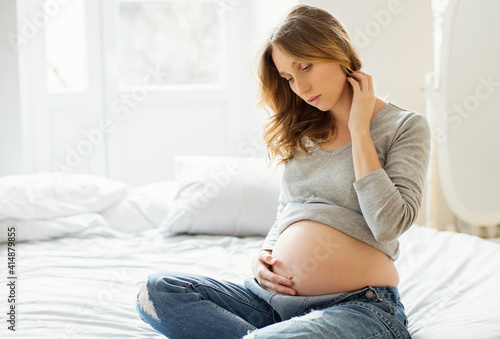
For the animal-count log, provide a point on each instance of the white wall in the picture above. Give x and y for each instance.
(11, 155)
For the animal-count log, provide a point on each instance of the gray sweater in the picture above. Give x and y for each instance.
(375, 209)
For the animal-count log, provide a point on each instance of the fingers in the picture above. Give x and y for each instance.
(361, 80)
(355, 85)
(267, 258)
(276, 279)
(276, 283)
(272, 281)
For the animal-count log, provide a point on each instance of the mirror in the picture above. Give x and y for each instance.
(468, 108)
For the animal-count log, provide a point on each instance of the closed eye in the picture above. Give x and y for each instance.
(304, 69)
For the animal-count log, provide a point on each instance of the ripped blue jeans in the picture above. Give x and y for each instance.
(181, 305)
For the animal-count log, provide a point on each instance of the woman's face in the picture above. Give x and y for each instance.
(320, 84)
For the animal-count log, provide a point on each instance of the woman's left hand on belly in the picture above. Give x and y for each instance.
(262, 271)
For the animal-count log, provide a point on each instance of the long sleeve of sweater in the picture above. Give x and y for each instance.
(390, 198)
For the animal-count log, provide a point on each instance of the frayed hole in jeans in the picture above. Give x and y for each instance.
(146, 304)
(309, 316)
(250, 335)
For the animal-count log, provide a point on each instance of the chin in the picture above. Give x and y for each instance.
(320, 107)
(324, 108)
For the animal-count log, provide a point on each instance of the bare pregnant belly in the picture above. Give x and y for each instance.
(323, 260)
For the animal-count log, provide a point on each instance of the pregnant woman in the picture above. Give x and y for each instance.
(354, 171)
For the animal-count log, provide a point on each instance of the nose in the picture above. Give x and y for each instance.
(301, 87)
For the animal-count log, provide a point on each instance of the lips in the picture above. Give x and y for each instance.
(313, 100)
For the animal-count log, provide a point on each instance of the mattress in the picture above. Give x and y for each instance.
(85, 286)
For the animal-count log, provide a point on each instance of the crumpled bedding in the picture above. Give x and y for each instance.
(85, 287)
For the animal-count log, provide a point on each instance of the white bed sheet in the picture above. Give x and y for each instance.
(449, 283)
(86, 287)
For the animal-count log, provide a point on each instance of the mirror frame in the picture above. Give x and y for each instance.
(442, 148)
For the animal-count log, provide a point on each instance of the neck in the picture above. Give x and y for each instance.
(341, 110)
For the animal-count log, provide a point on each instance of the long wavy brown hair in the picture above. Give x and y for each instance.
(314, 35)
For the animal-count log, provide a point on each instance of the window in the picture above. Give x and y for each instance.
(181, 38)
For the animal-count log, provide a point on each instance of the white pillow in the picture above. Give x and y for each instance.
(50, 195)
(30, 230)
(143, 208)
(223, 195)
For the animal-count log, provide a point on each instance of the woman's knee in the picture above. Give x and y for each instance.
(161, 288)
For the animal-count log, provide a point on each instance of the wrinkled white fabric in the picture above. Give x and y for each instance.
(87, 287)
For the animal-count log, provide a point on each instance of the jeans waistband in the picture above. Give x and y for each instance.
(252, 285)
(287, 306)
(387, 293)
(383, 292)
